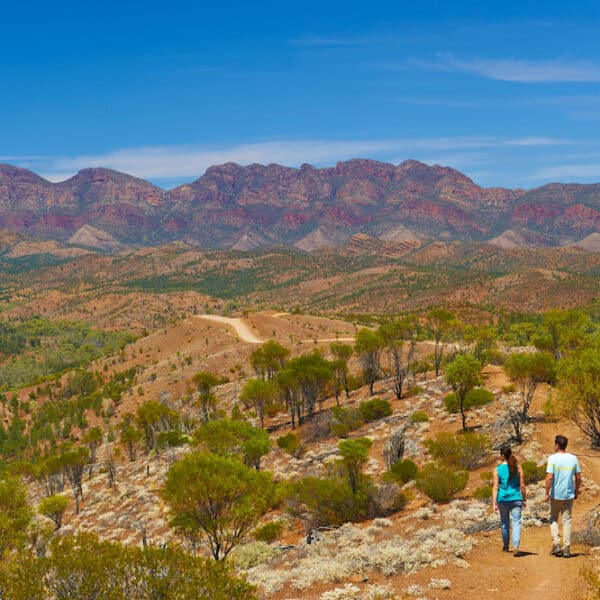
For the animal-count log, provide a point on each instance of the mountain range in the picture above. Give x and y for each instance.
(257, 206)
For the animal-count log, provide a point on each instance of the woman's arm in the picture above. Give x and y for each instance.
(495, 491)
(522, 485)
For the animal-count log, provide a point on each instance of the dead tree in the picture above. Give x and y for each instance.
(393, 449)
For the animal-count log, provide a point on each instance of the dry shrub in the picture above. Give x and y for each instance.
(441, 482)
(465, 451)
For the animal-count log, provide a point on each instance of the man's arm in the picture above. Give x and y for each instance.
(549, 478)
(577, 484)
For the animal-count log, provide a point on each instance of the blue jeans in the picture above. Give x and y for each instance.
(510, 513)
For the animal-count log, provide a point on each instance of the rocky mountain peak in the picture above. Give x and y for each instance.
(308, 207)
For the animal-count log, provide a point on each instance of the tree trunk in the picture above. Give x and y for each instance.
(463, 414)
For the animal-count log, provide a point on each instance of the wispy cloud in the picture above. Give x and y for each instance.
(574, 171)
(517, 70)
(19, 159)
(179, 162)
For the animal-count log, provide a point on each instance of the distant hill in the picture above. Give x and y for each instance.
(259, 206)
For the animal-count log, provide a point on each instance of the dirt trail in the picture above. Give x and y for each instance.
(244, 332)
(240, 327)
(494, 574)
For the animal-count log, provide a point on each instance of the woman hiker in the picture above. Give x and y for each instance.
(508, 498)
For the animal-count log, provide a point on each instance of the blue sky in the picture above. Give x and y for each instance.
(507, 92)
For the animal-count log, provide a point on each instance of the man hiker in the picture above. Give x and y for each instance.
(563, 479)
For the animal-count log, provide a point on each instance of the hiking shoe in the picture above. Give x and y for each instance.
(566, 553)
(504, 548)
(556, 551)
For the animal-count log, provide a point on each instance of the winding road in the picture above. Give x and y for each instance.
(240, 327)
(244, 332)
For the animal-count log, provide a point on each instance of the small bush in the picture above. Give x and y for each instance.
(289, 442)
(376, 408)
(476, 397)
(440, 482)
(345, 420)
(402, 470)
(533, 473)
(509, 389)
(268, 532)
(483, 492)
(419, 417)
(54, 507)
(414, 390)
(328, 501)
(355, 382)
(339, 430)
(451, 403)
(253, 554)
(236, 413)
(464, 451)
(272, 410)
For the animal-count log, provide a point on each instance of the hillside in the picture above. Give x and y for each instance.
(423, 549)
(257, 206)
(366, 275)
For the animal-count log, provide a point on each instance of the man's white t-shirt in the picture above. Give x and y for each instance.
(563, 466)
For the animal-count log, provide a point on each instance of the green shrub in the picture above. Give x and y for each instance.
(376, 408)
(402, 470)
(478, 397)
(462, 451)
(414, 390)
(339, 430)
(344, 420)
(474, 398)
(53, 507)
(355, 382)
(419, 417)
(483, 492)
(328, 501)
(533, 473)
(268, 532)
(289, 442)
(83, 567)
(509, 389)
(272, 410)
(233, 438)
(440, 482)
(236, 413)
(451, 403)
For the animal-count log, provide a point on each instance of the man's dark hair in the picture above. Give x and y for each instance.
(561, 441)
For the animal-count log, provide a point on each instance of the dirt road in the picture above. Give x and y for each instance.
(244, 332)
(240, 327)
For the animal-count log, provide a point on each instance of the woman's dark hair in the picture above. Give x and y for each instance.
(511, 459)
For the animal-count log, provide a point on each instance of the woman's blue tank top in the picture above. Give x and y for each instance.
(509, 489)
